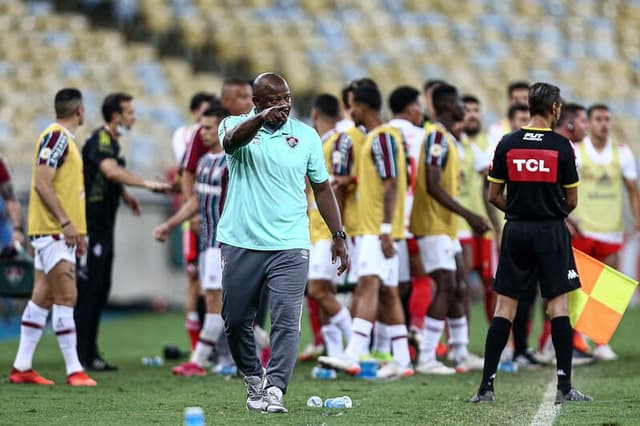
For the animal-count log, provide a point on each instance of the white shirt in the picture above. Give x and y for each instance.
(344, 125)
(180, 140)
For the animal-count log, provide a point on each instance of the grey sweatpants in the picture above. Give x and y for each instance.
(244, 273)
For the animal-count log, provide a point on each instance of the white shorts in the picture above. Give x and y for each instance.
(371, 261)
(320, 266)
(353, 245)
(50, 251)
(210, 269)
(404, 268)
(438, 252)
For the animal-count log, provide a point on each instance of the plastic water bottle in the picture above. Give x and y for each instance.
(339, 402)
(154, 361)
(323, 373)
(314, 401)
(194, 416)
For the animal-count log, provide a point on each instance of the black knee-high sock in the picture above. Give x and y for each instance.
(562, 337)
(497, 337)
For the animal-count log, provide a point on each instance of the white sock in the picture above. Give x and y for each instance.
(458, 337)
(332, 340)
(431, 332)
(400, 345)
(360, 338)
(192, 321)
(343, 320)
(65, 329)
(381, 340)
(211, 331)
(34, 319)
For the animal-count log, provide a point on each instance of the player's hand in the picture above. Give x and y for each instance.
(339, 250)
(276, 114)
(161, 232)
(71, 236)
(340, 181)
(132, 202)
(388, 248)
(17, 237)
(478, 224)
(154, 186)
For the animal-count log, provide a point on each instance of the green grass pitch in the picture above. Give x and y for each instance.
(138, 395)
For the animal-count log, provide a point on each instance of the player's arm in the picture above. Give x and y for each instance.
(326, 201)
(113, 171)
(342, 167)
(634, 200)
(244, 132)
(435, 158)
(496, 195)
(187, 183)
(187, 210)
(384, 152)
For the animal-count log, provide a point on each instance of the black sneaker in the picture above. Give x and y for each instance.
(572, 395)
(99, 364)
(481, 397)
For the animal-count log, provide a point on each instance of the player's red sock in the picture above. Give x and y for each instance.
(314, 318)
(488, 303)
(544, 335)
(192, 325)
(419, 301)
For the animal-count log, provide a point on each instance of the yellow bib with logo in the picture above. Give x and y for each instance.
(600, 195)
(370, 186)
(68, 184)
(351, 216)
(318, 229)
(428, 216)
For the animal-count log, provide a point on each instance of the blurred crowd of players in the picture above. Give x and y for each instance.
(412, 193)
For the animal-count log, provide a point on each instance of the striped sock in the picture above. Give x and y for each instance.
(65, 329)
(34, 320)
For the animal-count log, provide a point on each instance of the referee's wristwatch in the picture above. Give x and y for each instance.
(339, 234)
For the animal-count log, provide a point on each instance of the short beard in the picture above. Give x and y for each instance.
(472, 132)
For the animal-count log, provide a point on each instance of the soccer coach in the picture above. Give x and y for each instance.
(538, 168)
(264, 233)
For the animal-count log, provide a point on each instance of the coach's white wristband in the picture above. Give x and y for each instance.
(385, 228)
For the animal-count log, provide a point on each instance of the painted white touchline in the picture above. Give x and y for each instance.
(548, 410)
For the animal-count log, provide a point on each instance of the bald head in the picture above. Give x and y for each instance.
(269, 82)
(270, 90)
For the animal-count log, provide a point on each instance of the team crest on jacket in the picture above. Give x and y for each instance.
(292, 141)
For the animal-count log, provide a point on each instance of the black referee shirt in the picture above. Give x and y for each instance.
(102, 194)
(536, 164)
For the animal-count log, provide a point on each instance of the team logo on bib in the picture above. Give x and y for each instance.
(292, 141)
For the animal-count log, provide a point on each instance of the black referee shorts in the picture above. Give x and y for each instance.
(536, 249)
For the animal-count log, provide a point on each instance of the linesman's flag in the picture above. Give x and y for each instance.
(597, 307)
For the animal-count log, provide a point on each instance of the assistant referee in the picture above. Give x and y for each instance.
(538, 168)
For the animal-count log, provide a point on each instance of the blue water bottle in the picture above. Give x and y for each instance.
(194, 416)
(340, 402)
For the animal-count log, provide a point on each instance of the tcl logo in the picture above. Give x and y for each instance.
(532, 165)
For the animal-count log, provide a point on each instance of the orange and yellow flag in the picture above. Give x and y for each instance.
(597, 307)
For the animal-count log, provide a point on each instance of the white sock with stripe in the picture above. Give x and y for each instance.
(332, 340)
(209, 335)
(360, 338)
(34, 319)
(431, 332)
(65, 329)
(400, 344)
(458, 337)
(343, 320)
(381, 338)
